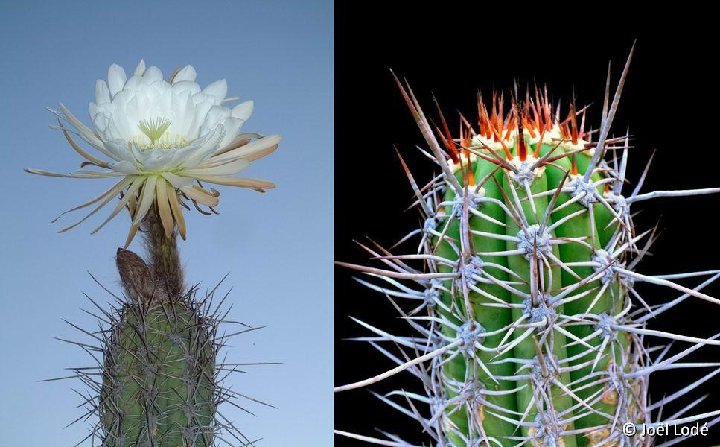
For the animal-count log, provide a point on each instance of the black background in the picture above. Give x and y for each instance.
(453, 49)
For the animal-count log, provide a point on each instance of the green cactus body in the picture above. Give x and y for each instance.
(159, 383)
(534, 334)
(509, 233)
(159, 378)
(161, 375)
(527, 265)
(531, 238)
(595, 297)
(487, 225)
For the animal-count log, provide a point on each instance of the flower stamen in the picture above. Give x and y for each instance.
(156, 131)
(154, 128)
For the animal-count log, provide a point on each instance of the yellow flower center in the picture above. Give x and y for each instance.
(156, 131)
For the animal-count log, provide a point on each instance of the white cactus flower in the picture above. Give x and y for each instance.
(162, 139)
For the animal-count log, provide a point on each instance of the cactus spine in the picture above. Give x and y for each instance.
(533, 333)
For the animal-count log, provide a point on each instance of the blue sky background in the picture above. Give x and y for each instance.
(276, 247)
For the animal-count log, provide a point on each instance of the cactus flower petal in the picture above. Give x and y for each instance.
(164, 137)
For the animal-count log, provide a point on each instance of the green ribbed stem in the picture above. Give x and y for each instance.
(589, 225)
(466, 370)
(159, 379)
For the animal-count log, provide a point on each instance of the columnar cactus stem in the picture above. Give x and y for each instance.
(159, 381)
(535, 335)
